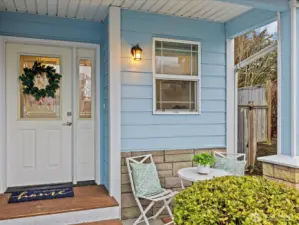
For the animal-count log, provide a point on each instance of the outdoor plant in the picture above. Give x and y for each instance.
(204, 159)
(246, 200)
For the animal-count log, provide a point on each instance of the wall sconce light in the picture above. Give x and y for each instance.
(136, 52)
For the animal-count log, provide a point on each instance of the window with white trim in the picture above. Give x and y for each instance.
(176, 76)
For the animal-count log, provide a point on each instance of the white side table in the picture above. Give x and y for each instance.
(191, 174)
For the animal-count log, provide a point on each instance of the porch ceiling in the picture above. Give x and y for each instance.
(96, 10)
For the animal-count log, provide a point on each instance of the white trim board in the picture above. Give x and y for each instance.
(231, 99)
(2, 117)
(73, 45)
(114, 102)
(77, 217)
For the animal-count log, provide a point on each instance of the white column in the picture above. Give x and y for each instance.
(2, 118)
(114, 102)
(231, 99)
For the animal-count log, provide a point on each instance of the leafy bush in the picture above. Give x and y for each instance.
(247, 200)
(204, 159)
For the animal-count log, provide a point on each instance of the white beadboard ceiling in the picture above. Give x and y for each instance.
(96, 10)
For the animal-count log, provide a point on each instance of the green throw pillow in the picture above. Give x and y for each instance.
(146, 180)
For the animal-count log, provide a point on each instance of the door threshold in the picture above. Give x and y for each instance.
(85, 183)
(48, 186)
(33, 187)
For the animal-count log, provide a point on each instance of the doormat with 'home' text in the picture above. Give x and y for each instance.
(41, 194)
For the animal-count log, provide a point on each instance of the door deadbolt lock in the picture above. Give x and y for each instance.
(67, 124)
(69, 113)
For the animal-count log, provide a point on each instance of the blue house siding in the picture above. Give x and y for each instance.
(141, 130)
(52, 28)
(286, 84)
(251, 20)
(105, 110)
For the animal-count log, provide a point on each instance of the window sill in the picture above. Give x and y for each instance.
(175, 113)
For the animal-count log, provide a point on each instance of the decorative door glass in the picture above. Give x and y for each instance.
(45, 108)
(85, 79)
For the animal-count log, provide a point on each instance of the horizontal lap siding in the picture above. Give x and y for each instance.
(52, 28)
(141, 130)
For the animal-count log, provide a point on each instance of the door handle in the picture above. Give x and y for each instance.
(67, 124)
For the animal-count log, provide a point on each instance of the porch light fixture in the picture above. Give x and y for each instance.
(136, 52)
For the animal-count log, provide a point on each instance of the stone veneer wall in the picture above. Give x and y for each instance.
(168, 163)
(282, 174)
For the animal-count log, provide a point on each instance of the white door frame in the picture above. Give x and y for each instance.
(3, 128)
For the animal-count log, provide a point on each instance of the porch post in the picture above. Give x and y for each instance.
(284, 167)
(114, 102)
(2, 118)
(231, 96)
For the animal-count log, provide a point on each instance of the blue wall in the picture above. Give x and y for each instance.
(141, 130)
(54, 28)
(105, 111)
(251, 20)
(286, 120)
(286, 84)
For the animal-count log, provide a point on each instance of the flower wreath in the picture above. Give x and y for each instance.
(30, 87)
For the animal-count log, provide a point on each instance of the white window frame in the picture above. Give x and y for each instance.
(176, 77)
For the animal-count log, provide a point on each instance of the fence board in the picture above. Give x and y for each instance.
(258, 95)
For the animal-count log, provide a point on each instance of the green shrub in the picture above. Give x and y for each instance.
(247, 200)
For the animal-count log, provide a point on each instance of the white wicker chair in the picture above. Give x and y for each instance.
(165, 196)
(239, 157)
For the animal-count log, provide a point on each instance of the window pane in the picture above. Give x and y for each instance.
(194, 48)
(45, 107)
(85, 74)
(176, 94)
(176, 46)
(195, 63)
(173, 62)
(176, 58)
(158, 44)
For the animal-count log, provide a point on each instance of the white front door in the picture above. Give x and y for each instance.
(39, 140)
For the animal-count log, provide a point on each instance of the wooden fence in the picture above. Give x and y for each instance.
(254, 118)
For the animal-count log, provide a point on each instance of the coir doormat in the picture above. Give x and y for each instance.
(41, 194)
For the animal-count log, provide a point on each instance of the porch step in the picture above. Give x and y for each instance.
(106, 222)
(90, 203)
